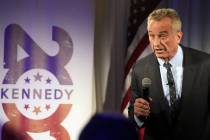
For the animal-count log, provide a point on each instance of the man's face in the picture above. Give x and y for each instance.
(163, 38)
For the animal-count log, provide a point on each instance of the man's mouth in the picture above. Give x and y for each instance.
(159, 50)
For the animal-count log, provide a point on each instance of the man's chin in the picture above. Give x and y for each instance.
(162, 57)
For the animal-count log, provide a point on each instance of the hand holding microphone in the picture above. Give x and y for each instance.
(142, 105)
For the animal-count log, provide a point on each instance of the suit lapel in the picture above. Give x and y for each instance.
(189, 73)
(159, 101)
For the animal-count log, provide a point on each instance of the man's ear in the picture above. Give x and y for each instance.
(179, 37)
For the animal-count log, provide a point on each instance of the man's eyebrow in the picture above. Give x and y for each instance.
(163, 32)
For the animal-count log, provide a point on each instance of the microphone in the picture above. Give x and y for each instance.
(146, 83)
(170, 83)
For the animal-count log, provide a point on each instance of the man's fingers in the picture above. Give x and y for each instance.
(141, 107)
(141, 112)
(141, 101)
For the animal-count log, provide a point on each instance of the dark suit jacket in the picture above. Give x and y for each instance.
(193, 119)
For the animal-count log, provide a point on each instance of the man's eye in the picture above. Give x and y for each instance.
(163, 35)
(151, 36)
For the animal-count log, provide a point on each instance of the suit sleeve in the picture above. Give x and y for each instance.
(135, 93)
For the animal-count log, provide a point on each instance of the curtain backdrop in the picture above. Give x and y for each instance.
(110, 40)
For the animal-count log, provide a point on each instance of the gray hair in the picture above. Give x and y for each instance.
(159, 14)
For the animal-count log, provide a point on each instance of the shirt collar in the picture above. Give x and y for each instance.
(176, 60)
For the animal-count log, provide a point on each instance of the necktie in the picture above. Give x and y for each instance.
(171, 84)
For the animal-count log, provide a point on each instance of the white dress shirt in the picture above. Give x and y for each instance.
(177, 71)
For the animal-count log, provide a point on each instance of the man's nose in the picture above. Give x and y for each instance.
(156, 42)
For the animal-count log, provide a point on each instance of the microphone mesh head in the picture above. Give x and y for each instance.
(146, 82)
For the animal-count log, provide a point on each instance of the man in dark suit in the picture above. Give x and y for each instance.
(178, 107)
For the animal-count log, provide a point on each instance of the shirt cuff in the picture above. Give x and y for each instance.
(138, 121)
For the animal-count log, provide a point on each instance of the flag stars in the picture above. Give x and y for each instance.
(26, 106)
(38, 77)
(48, 81)
(27, 80)
(47, 107)
(37, 110)
(143, 8)
(134, 21)
(135, 11)
(135, 1)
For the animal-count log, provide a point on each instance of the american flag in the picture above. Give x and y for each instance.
(137, 43)
(137, 39)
